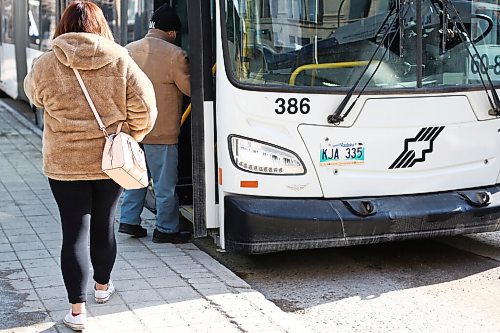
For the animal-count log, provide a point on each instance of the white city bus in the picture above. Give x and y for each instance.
(351, 122)
(328, 122)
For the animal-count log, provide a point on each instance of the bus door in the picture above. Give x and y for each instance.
(197, 175)
(197, 184)
(201, 18)
(21, 31)
(185, 181)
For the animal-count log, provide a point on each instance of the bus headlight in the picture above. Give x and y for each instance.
(260, 157)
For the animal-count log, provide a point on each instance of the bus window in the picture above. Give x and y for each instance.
(447, 60)
(139, 13)
(299, 10)
(47, 23)
(111, 13)
(181, 8)
(34, 23)
(7, 23)
(41, 23)
(269, 40)
(327, 43)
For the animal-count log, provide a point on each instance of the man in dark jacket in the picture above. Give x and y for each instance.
(167, 67)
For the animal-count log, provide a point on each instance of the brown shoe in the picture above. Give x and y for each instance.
(175, 238)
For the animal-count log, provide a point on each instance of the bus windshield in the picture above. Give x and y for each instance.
(328, 43)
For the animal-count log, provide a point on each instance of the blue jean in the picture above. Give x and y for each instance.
(162, 165)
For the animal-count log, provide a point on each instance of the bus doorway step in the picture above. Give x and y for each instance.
(187, 212)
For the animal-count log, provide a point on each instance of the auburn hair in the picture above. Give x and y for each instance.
(83, 16)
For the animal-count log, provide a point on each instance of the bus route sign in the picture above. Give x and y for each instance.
(343, 153)
(489, 56)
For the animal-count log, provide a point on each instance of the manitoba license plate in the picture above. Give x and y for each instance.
(343, 153)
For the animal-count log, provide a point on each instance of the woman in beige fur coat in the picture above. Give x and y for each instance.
(73, 143)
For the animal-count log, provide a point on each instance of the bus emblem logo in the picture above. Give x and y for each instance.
(416, 148)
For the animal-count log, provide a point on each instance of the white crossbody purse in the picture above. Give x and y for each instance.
(122, 159)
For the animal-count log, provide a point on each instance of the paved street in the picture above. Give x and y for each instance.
(161, 287)
(412, 286)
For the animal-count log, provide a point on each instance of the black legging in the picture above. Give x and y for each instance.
(86, 205)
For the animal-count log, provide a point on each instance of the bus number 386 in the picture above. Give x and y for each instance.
(292, 106)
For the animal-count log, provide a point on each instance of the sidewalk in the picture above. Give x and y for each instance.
(160, 287)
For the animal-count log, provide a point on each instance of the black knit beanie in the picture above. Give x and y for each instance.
(165, 18)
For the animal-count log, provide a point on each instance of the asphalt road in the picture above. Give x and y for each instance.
(446, 285)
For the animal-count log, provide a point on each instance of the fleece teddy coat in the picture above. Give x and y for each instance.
(72, 140)
(167, 66)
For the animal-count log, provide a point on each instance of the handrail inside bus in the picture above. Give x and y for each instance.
(328, 65)
(188, 109)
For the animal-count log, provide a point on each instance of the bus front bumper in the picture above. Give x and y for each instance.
(258, 225)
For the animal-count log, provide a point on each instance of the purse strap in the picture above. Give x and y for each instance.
(91, 104)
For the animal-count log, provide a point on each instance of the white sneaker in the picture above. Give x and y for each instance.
(102, 296)
(76, 323)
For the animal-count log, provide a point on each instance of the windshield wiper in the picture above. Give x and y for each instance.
(337, 117)
(495, 104)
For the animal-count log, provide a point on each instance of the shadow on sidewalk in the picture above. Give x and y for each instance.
(13, 310)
